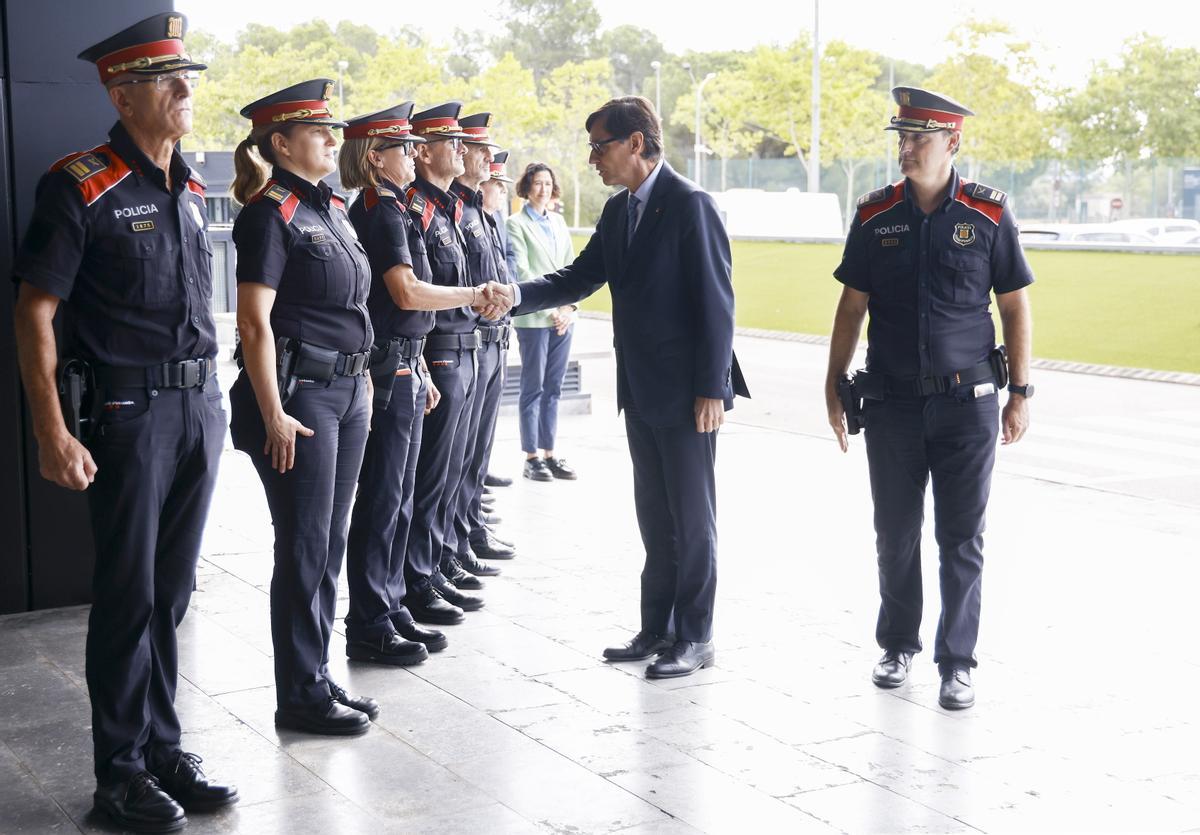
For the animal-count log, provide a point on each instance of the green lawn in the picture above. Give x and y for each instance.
(1129, 309)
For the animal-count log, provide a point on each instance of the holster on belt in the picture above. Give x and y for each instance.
(998, 359)
(852, 405)
(386, 358)
(77, 397)
(285, 364)
(870, 385)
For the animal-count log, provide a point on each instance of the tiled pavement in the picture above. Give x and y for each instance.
(1088, 668)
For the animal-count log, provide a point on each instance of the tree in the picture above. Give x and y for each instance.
(780, 94)
(571, 92)
(631, 50)
(723, 121)
(545, 34)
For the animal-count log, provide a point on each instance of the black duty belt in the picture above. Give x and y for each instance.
(405, 347)
(453, 341)
(312, 362)
(873, 383)
(188, 374)
(494, 333)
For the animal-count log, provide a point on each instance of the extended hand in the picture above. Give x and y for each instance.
(710, 414)
(1015, 419)
(495, 300)
(837, 418)
(66, 462)
(281, 441)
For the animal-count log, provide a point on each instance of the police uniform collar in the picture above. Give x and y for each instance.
(464, 192)
(141, 165)
(441, 199)
(947, 200)
(399, 190)
(314, 195)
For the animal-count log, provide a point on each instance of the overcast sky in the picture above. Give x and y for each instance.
(1069, 35)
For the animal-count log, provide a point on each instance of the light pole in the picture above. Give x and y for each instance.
(814, 154)
(342, 67)
(657, 67)
(699, 108)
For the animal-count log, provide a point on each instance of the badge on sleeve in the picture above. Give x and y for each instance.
(964, 234)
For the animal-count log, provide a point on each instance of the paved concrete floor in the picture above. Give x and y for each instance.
(1088, 668)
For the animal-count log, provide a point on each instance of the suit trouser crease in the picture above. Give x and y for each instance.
(453, 372)
(154, 483)
(488, 388)
(379, 523)
(951, 442)
(674, 485)
(544, 356)
(310, 509)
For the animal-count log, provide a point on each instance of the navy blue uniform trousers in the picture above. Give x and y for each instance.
(383, 509)
(675, 494)
(310, 508)
(156, 456)
(951, 439)
(487, 436)
(485, 407)
(440, 461)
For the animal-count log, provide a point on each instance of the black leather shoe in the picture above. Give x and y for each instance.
(643, 645)
(433, 640)
(490, 480)
(683, 659)
(470, 563)
(390, 649)
(331, 719)
(559, 469)
(536, 470)
(140, 805)
(490, 548)
(957, 692)
(362, 704)
(464, 601)
(453, 571)
(491, 518)
(486, 492)
(183, 779)
(892, 669)
(490, 531)
(428, 606)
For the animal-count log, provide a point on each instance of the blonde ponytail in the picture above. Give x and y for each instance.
(249, 169)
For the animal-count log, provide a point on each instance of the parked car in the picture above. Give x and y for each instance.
(1080, 233)
(1156, 227)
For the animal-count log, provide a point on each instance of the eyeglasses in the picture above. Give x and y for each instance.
(409, 148)
(454, 142)
(598, 147)
(165, 80)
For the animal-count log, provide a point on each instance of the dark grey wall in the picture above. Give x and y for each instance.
(53, 104)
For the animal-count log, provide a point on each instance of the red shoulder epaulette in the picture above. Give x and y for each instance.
(986, 200)
(338, 201)
(420, 207)
(94, 175)
(195, 182)
(283, 196)
(879, 201)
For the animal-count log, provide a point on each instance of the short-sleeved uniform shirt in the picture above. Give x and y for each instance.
(493, 222)
(485, 258)
(389, 235)
(437, 214)
(296, 238)
(129, 255)
(929, 276)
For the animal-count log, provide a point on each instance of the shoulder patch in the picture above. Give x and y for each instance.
(338, 201)
(276, 192)
(879, 201)
(986, 200)
(284, 197)
(385, 192)
(876, 196)
(992, 195)
(420, 207)
(95, 171)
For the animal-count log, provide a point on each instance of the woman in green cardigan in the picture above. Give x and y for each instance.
(541, 244)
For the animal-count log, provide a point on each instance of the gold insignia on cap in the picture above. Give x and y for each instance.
(906, 99)
(328, 90)
(175, 27)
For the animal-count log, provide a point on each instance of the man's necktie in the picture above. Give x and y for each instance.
(631, 219)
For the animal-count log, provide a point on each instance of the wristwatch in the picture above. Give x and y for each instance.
(1025, 391)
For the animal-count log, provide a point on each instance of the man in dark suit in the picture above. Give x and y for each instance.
(662, 248)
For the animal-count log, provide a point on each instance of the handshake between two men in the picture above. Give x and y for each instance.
(494, 300)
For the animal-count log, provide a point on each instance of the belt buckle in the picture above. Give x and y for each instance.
(189, 374)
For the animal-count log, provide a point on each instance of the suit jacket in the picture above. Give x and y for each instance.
(672, 300)
(535, 256)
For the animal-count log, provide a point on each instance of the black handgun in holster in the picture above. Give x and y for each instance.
(851, 404)
(386, 358)
(998, 359)
(285, 365)
(77, 397)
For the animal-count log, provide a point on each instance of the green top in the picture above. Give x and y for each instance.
(536, 256)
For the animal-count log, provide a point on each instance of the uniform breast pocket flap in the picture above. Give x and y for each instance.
(317, 269)
(963, 277)
(149, 270)
(447, 253)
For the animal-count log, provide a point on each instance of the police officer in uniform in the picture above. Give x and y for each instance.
(450, 354)
(921, 257)
(301, 406)
(377, 157)
(119, 234)
(485, 263)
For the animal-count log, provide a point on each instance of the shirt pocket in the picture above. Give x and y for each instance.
(891, 270)
(962, 278)
(146, 271)
(316, 272)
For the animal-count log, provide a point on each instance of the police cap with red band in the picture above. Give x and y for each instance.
(395, 123)
(150, 47)
(476, 127)
(499, 160)
(306, 103)
(922, 111)
(439, 122)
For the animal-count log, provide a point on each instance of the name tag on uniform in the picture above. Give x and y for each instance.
(318, 238)
(984, 389)
(403, 372)
(142, 225)
(443, 237)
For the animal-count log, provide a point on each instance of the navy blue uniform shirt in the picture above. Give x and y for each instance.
(494, 223)
(390, 237)
(929, 276)
(129, 256)
(296, 238)
(485, 258)
(437, 215)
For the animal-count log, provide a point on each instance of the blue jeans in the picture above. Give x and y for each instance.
(543, 364)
